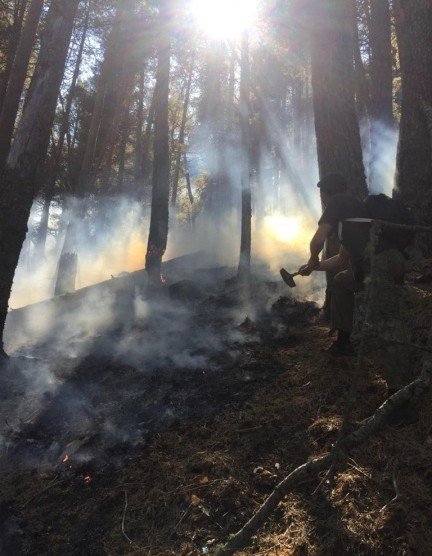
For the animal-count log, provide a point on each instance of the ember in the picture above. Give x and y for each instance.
(65, 459)
(87, 478)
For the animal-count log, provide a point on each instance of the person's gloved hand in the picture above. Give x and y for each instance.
(309, 267)
(305, 270)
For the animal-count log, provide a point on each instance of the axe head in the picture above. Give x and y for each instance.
(287, 278)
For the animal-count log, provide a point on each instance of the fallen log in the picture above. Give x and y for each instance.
(310, 470)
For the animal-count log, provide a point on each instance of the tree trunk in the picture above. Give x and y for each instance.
(336, 124)
(246, 216)
(139, 127)
(181, 140)
(42, 230)
(158, 236)
(381, 71)
(414, 160)
(142, 154)
(14, 38)
(20, 177)
(188, 180)
(100, 129)
(125, 132)
(361, 82)
(17, 79)
(214, 134)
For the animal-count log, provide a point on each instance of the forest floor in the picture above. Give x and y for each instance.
(236, 433)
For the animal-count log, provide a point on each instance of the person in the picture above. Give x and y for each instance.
(346, 215)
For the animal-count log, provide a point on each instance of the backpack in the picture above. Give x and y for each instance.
(381, 207)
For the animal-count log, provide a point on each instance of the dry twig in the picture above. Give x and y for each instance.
(397, 492)
(124, 519)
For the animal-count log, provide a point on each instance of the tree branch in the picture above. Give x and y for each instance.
(311, 469)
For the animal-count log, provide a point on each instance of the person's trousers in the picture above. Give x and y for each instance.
(390, 268)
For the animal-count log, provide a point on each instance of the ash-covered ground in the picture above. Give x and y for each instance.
(95, 374)
(137, 422)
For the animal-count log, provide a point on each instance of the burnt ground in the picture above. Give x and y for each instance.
(175, 459)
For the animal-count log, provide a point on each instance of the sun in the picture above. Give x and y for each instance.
(224, 19)
(282, 228)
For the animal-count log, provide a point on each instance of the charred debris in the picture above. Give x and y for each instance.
(89, 394)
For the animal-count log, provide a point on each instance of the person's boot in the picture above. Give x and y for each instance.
(342, 345)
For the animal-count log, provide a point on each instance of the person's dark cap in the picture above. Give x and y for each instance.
(333, 184)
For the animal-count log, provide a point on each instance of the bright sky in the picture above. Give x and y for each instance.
(224, 19)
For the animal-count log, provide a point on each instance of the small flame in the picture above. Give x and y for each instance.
(66, 458)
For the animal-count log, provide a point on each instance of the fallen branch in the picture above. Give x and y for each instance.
(310, 470)
(124, 519)
(338, 451)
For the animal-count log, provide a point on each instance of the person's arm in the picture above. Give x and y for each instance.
(334, 264)
(337, 263)
(317, 244)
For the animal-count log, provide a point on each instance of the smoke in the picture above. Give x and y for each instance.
(102, 365)
(380, 157)
(101, 362)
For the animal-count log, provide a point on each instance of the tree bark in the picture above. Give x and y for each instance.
(336, 124)
(181, 140)
(20, 177)
(246, 216)
(125, 132)
(104, 122)
(362, 85)
(158, 235)
(42, 229)
(139, 126)
(188, 180)
(381, 64)
(212, 118)
(143, 169)
(381, 72)
(414, 159)
(14, 38)
(17, 79)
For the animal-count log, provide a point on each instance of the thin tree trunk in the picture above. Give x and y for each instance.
(17, 79)
(20, 177)
(139, 127)
(381, 64)
(381, 70)
(122, 150)
(21, 6)
(158, 235)
(181, 145)
(246, 216)
(77, 211)
(217, 191)
(414, 160)
(145, 155)
(188, 180)
(362, 85)
(42, 230)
